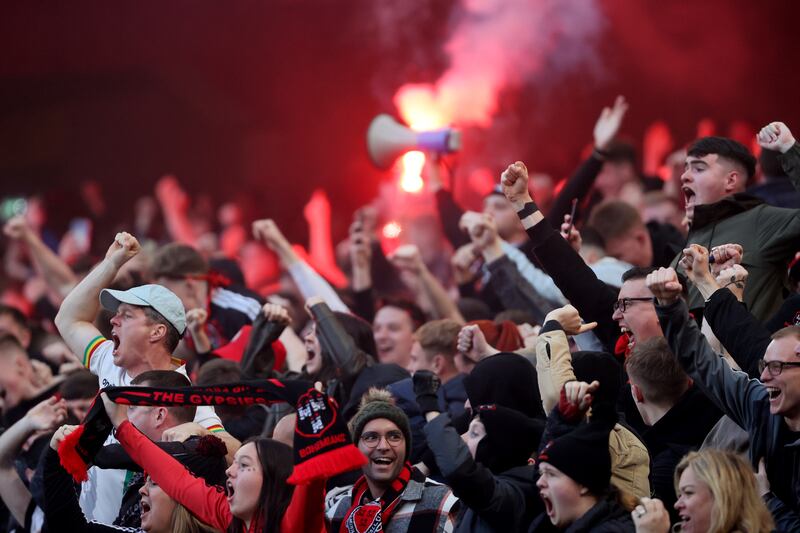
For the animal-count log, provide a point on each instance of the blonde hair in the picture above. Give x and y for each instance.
(185, 522)
(737, 505)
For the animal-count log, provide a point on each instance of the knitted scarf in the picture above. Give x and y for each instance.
(322, 445)
(372, 516)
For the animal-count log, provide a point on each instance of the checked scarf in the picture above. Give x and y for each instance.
(322, 445)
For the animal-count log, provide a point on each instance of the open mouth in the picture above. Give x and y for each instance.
(145, 507)
(115, 339)
(774, 393)
(548, 505)
(685, 519)
(688, 195)
(383, 461)
(229, 490)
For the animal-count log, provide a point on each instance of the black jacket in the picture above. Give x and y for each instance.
(607, 516)
(490, 503)
(745, 401)
(681, 430)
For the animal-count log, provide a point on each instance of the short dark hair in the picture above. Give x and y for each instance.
(79, 385)
(619, 151)
(219, 371)
(170, 379)
(413, 310)
(637, 273)
(614, 218)
(659, 376)
(727, 149)
(172, 338)
(15, 314)
(177, 260)
(591, 237)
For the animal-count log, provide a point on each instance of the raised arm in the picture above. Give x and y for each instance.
(740, 332)
(57, 274)
(308, 281)
(732, 391)
(208, 503)
(317, 213)
(408, 260)
(580, 183)
(44, 417)
(593, 298)
(78, 310)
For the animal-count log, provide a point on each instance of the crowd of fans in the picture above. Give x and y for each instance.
(620, 353)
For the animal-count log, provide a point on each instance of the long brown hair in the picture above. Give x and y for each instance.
(277, 462)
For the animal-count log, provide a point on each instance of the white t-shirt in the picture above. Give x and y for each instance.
(101, 495)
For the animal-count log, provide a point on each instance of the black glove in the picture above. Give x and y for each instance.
(426, 385)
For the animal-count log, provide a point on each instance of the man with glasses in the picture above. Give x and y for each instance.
(769, 409)
(391, 495)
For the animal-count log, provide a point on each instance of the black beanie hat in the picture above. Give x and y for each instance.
(582, 455)
(379, 403)
(506, 379)
(511, 438)
(603, 367)
(205, 459)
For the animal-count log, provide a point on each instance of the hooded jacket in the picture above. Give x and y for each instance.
(769, 236)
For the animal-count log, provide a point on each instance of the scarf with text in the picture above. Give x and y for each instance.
(322, 444)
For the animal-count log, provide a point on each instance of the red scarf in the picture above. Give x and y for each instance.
(370, 516)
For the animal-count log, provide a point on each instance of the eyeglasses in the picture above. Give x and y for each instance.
(775, 367)
(623, 303)
(371, 439)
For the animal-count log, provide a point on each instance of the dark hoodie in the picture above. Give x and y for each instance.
(768, 235)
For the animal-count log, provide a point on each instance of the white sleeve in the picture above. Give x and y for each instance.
(207, 417)
(540, 281)
(310, 283)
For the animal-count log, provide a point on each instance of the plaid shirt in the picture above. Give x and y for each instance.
(427, 506)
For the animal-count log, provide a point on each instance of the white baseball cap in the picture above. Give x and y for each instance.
(160, 298)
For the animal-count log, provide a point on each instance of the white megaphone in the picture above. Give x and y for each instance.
(387, 139)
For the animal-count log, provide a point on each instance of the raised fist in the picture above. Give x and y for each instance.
(664, 285)
(276, 313)
(570, 320)
(514, 182)
(481, 229)
(124, 248)
(462, 261)
(407, 258)
(695, 263)
(776, 136)
(17, 228)
(195, 319)
(266, 231)
(725, 256)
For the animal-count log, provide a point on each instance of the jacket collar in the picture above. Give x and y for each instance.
(707, 214)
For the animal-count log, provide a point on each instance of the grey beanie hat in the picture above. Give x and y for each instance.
(379, 403)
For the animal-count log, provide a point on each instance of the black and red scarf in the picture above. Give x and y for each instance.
(368, 515)
(322, 444)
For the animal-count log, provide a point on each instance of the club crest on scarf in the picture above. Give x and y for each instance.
(313, 415)
(365, 519)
